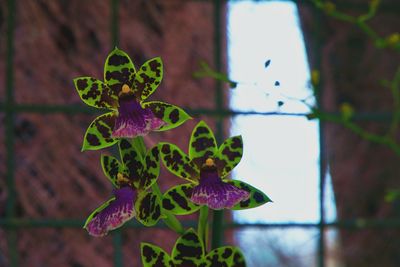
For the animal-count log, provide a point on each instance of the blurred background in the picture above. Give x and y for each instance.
(313, 87)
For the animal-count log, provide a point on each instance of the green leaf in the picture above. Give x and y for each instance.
(151, 168)
(148, 208)
(257, 197)
(154, 256)
(178, 162)
(148, 78)
(172, 115)
(131, 159)
(94, 93)
(98, 134)
(202, 144)
(118, 70)
(177, 200)
(229, 155)
(188, 250)
(111, 167)
(98, 210)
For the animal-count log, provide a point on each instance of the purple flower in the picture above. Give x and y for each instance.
(124, 92)
(215, 193)
(114, 213)
(132, 179)
(134, 120)
(206, 167)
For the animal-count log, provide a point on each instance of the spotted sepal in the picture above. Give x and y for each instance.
(132, 160)
(257, 197)
(225, 257)
(94, 93)
(229, 155)
(202, 144)
(177, 200)
(172, 115)
(148, 208)
(118, 70)
(154, 256)
(177, 162)
(111, 167)
(148, 78)
(98, 134)
(188, 250)
(98, 210)
(151, 168)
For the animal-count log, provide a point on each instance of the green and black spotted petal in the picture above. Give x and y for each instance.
(154, 256)
(148, 78)
(188, 250)
(98, 134)
(177, 200)
(172, 115)
(148, 208)
(178, 162)
(202, 144)
(132, 160)
(95, 93)
(111, 167)
(225, 257)
(118, 70)
(151, 168)
(257, 197)
(229, 155)
(238, 258)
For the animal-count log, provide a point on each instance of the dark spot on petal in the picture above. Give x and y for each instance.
(174, 116)
(258, 197)
(148, 253)
(267, 63)
(227, 253)
(167, 204)
(202, 143)
(81, 84)
(191, 237)
(166, 149)
(180, 200)
(188, 251)
(277, 83)
(92, 139)
(200, 130)
(117, 60)
(237, 142)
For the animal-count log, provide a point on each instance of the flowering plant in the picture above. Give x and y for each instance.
(134, 176)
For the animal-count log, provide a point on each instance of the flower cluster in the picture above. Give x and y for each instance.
(134, 176)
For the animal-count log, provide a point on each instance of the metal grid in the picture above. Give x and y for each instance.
(9, 109)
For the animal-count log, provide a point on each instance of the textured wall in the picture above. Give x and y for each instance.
(362, 172)
(56, 41)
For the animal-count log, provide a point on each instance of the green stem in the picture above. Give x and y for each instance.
(170, 220)
(202, 227)
(138, 142)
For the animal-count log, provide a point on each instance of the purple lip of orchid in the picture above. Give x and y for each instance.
(215, 193)
(115, 214)
(133, 120)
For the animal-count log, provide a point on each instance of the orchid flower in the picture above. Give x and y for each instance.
(206, 168)
(123, 91)
(131, 180)
(189, 251)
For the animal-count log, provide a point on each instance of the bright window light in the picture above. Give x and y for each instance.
(267, 57)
